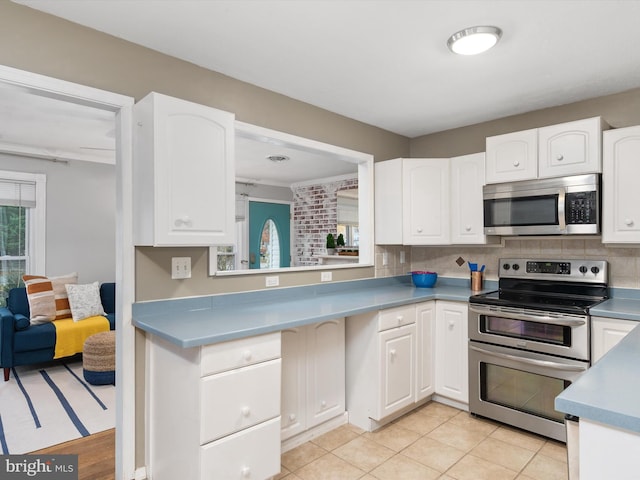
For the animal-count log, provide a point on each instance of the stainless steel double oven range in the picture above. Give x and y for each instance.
(530, 340)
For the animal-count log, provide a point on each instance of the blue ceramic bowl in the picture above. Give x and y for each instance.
(424, 279)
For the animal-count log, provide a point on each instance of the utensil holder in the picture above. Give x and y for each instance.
(477, 281)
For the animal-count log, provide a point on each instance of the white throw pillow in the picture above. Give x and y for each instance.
(84, 301)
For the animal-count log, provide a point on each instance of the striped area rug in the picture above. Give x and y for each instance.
(48, 404)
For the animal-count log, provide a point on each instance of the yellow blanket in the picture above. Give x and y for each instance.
(70, 335)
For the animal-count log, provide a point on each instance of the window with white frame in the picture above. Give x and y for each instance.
(22, 227)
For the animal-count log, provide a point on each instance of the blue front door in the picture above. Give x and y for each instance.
(269, 235)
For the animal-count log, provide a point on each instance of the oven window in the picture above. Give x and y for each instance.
(523, 391)
(538, 210)
(541, 332)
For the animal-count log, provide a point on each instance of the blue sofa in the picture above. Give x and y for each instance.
(25, 344)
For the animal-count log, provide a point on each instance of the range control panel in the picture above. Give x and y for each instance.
(591, 271)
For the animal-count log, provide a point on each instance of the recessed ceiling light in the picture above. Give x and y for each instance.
(474, 40)
(278, 158)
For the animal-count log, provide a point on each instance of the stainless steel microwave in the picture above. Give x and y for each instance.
(550, 206)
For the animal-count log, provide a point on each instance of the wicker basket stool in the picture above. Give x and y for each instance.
(99, 358)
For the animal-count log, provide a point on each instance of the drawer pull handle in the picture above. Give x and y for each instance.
(452, 324)
(392, 353)
(246, 355)
(246, 472)
(559, 157)
(628, 222)
(246, 411)
(400, 318)
(323, 404)
(292, 417)
(516, 163)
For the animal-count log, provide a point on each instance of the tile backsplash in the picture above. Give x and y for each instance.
(624, 262)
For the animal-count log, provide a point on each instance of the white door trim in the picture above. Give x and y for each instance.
(125, 272)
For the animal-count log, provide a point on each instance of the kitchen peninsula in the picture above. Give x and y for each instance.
(215, 366)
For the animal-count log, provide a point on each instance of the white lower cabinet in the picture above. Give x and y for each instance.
(606, 333)
(452, 369)
(213, 411)
(425, 352)
(313, 375)
(381, 365)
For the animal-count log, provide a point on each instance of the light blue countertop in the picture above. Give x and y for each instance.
(609, 392)
(192, 322)
(623, 308)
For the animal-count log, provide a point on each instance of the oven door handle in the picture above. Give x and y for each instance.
(532, 361)
(562, 223)
(564, 322)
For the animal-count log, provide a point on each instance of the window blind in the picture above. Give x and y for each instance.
(17, 193)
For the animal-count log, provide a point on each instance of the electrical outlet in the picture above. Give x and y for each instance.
(273, 281)
(403, 258)
(385, 259)
(326, 276)
(180, 267)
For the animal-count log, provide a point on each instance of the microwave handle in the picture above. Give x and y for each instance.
(562, 223)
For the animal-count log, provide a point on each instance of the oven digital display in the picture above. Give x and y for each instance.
(556, 268)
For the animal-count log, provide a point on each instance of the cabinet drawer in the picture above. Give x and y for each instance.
(396, 317)
(234, 400)
(239, 353)
(252, 453)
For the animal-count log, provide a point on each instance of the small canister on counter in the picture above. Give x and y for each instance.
(477, 280)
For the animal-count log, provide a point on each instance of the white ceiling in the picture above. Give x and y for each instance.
(385, 62)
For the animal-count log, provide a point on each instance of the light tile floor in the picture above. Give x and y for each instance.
(434, 442)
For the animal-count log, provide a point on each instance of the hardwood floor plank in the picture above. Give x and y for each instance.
(96, 455)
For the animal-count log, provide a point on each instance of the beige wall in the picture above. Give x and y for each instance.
(619, 110)
(51, 46)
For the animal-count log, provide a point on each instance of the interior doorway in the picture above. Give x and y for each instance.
(125, 273)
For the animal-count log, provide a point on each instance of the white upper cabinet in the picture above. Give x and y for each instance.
(572, 148)
(620, 192)
(430, 201)
(512, 156)
(467, 179)
(183, 173)
(388, 202)
(425, 201)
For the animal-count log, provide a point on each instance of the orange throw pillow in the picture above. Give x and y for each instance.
(47, 297)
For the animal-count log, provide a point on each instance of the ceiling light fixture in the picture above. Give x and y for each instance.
(278, 158)
(474, 40)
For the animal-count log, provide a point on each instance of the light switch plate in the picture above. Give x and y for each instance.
(180, 267)
(272, 281)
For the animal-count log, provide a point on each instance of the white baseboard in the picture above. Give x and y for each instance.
(314, 432)
(450, 402)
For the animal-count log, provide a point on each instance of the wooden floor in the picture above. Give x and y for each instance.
(96, 455)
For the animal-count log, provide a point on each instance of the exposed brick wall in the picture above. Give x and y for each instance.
(314, 216)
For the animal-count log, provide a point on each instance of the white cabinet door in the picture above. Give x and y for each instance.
(293, 387)
(183, 173)
(425, 351)
(620, 192)
(388, 202)
(571, 148)
(606, 333)
(512, 156)
(467, 179)
(397, 373)
(425, 201)
(325, 371)
(451, 350)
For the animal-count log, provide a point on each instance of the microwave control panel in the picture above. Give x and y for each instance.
(581, 208)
